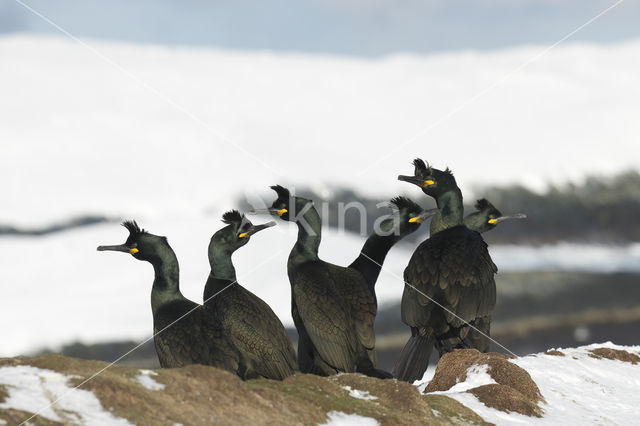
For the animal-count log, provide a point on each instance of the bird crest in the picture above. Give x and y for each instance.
(133, 228)
(483, 204)
(232, 217)
(283, 193)
(404, 202)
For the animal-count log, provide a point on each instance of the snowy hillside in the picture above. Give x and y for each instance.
(595, 384)
(173, 136)
(151, 131)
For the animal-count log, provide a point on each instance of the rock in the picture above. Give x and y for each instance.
(514, 391)
(618, 354)
(197, 394)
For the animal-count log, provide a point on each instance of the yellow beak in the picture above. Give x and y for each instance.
(415, 219)
(244, 234)
(492, 221)
(133, 250)
(427, 183)
(281, 212)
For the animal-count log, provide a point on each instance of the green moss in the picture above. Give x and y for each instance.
(449, 408)
(4, 394)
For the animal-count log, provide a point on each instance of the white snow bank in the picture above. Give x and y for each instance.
(145, 379)
(338, 418)
(34, 390)
(359, 394)
(578, 389)
(80, 135)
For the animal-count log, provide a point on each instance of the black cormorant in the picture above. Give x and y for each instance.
(332, 306)
(184, 332)
(486, 217)
(405, 221)
(258, 335)
(449, 281)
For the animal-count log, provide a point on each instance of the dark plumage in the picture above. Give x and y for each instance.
(486, 217)
(333, 307)
(255, 331)
(183, 332)
(449, 281)
(406, 219)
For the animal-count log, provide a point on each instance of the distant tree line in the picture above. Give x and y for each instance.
(599, 210)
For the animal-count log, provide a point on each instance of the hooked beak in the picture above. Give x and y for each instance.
(121, 247)
(271, 211)
(509, 217)
(417, 181)
(256, 228)
(426, 214)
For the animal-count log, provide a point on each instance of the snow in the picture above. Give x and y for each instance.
(359, 394)
(578, 389)
(34, 390)
(181, 133)
(145, 379)
(157, 131)
(338, 418)
(477, 375)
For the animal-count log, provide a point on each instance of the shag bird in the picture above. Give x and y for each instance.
(449, 281)
(256, 332)
(391, 230)
(184, 332)
(485, 218)
(333, 307)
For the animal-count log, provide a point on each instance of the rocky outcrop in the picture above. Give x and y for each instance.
(513, 390)
(198, 395)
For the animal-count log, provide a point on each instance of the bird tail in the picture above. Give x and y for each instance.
(414, 358)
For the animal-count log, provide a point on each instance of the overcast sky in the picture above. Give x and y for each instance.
(355, 27)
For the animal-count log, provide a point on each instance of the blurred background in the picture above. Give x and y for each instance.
(172, 112)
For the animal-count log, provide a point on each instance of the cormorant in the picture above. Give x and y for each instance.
(407, 220)
(332, 306)
(184, 332)
(485, 218)
(258, 335)
(449, 281)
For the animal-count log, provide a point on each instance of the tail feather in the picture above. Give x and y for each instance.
(414, 358)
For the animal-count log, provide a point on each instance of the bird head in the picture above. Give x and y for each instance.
(486, 217)
(286, 206)
(238, 231)
(140, 244)
(409, 215)
(432, 181)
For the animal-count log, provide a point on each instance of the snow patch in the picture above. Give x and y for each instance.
(338, 418)
(34, 390)
(145, 379)
(355, 393)
(578, 389)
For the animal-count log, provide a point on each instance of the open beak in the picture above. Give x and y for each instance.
(121, 247)
(426, 214)
(416, 181)
(509, 217)
(271, 211)
(256, 228)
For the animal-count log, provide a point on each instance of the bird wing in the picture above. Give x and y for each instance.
(255, 329)
(185, 334)
(326, 315)
(362, 304)
(452, 269)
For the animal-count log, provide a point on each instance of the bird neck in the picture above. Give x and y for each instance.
(166, 284)
(374, 251)
(450, 211)
(309, 236)
(222, 272)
